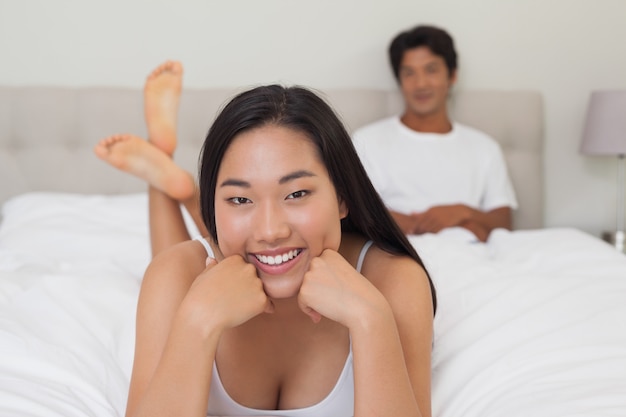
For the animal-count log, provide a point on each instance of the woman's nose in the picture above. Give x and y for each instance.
(270, 223)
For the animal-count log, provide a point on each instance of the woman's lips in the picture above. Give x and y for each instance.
(278, 259)
(275, 264)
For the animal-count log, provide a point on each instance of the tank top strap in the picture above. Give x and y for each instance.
(364, 249)
(206, 245)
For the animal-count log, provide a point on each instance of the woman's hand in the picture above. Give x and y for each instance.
(334, 289)
(228, 293)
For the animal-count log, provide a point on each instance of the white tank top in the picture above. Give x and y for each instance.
(339, 403)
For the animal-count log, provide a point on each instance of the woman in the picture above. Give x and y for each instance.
(317, 304)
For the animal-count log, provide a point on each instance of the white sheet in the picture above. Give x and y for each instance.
(531, 323)
(70, 269)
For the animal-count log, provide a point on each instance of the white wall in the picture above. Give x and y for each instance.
(564, 48)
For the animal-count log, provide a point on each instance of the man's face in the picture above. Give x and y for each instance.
(425, 82)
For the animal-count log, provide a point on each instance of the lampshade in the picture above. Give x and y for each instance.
(605, 126)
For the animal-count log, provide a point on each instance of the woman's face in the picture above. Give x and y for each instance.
(276, 206)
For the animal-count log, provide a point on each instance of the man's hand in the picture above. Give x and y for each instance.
(438, 218)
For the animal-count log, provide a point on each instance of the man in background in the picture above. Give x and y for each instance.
(431, 172)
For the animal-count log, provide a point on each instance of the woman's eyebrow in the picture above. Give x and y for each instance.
(233, 182)
(295, 175)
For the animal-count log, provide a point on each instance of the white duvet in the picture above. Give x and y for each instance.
(532, 323)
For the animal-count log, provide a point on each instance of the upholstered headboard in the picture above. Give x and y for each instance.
(47, 134)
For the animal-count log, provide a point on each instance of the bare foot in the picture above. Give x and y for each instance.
(142, 159)
(161, 96)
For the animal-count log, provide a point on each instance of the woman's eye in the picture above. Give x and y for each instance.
(238, 200)
(297, 194)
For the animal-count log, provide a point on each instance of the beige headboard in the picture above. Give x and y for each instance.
(47, 134)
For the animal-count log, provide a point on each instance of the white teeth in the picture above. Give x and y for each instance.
(278, 259)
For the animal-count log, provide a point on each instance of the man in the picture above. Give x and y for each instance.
(434, 173)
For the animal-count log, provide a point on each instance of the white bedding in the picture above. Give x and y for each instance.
(531, 323)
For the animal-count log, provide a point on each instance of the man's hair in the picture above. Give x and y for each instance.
(437, 40)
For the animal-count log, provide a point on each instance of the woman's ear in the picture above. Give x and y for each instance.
(343, 209)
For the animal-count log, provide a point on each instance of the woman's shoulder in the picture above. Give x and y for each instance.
(185, 261)
(402, 281)
(380, 264)
(377, 262)
(394, 275)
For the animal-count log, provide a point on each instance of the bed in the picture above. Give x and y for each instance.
(532, 322)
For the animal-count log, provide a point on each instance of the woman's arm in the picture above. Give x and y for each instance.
(395, 366)
(411, 300)
(389, 315)
(181, 314)
(165, 284)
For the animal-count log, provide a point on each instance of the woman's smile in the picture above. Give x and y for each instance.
(278, 259)
(275, 263)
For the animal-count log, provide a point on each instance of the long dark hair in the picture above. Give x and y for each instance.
(302, 110)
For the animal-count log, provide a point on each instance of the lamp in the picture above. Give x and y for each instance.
(605, 134)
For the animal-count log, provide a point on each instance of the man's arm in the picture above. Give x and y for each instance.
(478, 222)
(405, 222)
(500, 217)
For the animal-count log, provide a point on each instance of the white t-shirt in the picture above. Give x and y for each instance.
(414, 171)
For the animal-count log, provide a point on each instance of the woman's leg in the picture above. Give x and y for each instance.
(169, 185)
(142, 159)
(161, 96)
(161, 99)
(167, 225)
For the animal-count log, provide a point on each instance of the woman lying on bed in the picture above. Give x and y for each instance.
(316, 304)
